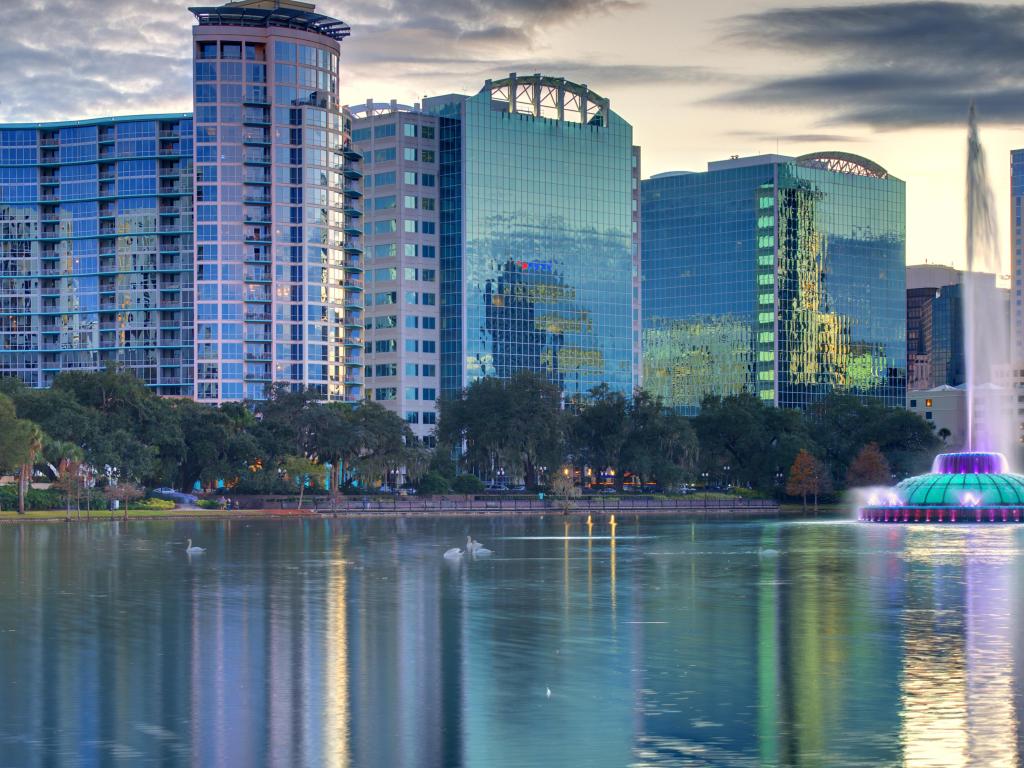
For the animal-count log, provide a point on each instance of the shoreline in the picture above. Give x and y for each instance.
(702, 514)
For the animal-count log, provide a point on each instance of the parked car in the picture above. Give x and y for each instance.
(497, 488)
(170, 494)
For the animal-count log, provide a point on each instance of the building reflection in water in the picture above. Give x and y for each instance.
(350, 643)
(958, 697)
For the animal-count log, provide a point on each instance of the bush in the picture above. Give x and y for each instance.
(468, 484)
(433, 483)
(208, 504)
(151, 504)
(34, 499)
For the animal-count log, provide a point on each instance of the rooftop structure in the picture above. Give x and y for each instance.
(283, 14)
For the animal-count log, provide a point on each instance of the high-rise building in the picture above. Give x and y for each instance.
(539, 236)
(278, 273)
(783, 277)
(935, 337)
(96, 249)
(1017, 253)
(399, 144)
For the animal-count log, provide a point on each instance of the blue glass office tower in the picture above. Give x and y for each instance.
(539, 236)
(782, 277)
(96, 249)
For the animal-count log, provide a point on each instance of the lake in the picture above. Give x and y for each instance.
(329, 642)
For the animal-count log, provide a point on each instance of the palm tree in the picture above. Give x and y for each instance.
(64, 459)
(31, 446)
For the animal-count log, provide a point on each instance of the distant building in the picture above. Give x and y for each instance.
(944, 407)
(401, 220)
(1017, 251)
(935, 337)
(278, 273)
(539, 236)
(783, 277)
(96, 249)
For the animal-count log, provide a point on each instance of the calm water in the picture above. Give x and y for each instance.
(353, 643)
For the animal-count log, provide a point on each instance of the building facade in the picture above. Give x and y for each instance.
(539, 236)
(278, 267)
(782, 277)
(935, 337)
(96, 228)
(1016, 253)
(399, 144)
(945, 408)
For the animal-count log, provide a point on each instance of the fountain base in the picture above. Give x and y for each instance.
(970, 487)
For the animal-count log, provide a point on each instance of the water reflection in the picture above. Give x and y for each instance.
(352, 643)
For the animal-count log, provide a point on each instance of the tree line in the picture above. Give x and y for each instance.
(107, 429)
(522, 426)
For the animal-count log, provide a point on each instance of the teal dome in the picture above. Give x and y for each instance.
(942, 490)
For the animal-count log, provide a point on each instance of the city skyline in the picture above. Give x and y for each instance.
(811, 93)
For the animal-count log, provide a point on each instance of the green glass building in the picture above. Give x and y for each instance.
(539, 240)
(783, 277)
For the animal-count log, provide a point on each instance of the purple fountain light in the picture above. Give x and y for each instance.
(969, 463)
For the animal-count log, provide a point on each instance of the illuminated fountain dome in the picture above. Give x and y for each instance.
(961, 488)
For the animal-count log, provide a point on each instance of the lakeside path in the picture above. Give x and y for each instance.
(713, 512)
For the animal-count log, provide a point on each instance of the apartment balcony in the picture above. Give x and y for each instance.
(256, 317)
(256, 158)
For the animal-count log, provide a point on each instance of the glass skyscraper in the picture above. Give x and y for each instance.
(539, 218)
(278, 267)
(783, 277)
(96, 249)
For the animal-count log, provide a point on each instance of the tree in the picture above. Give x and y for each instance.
(299, 469)
(944, 435)
(21, 441)
(598, 430)
(660, 444)
(808, 476)
(565, 489)
(65, 461)
(869, 467)
(123, 492)
(518, 421)
(468, 484)
(844, 424)
(433, 483)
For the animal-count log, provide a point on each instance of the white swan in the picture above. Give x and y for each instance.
(190, 550)
(481, 551)
(471, 545)
(453, 554)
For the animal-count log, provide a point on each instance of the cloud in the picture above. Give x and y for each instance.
(891, 65)
(65, 59)
(100, 57)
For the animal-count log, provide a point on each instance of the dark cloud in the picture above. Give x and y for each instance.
(796, 138)
(892, 65)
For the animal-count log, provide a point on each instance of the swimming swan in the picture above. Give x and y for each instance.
(481, 551)
(453, 554)
(190, 550)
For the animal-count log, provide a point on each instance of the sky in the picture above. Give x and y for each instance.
(698, 80)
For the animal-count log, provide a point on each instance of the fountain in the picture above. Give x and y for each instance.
(975, 485)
